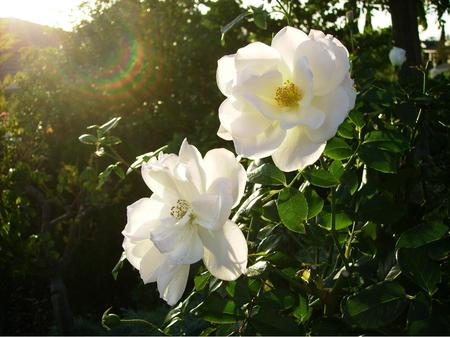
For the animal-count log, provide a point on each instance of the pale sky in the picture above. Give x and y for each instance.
(65, 14)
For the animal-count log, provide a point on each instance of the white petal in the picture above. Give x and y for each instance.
(191, 157)
(212, 210)
(158, 175)
(180, 242)
(150, 264)
(135, 250)
(297, 151)
(261, 146)
(226, 73)
(255, 58)
(328, 60)
(221, 163)
(225, 251)
(142, 216)
(241, 119)
(224, 133)
(262, 85)
(172, 282)
(336, 108)
(303, 78)
(286, 42)
(348, 86)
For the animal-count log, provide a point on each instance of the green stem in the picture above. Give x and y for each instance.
(287, 15)
(299, 173)
(333, 231)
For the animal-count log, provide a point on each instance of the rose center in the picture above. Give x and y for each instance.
(180, 209)
(288, 95)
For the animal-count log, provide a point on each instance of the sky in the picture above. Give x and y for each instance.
(65, 14)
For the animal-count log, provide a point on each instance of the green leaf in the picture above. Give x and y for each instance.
(375, 306)
(110, 140)
(421, 235)
(303, 312)
(349, 181)
(231, 24)
(337, 169)
(425, 272)
(378, 159)
(220, 310)
(260, 17)
(201, 281)
(268, 321)
(88, 139)
(315, 203)
(293, 209)
(338, 149)
(387, 140)
(346, 130)
(418, 315)
(357, 118)
(342, 220)
(112, 123)
(321, 178)
(267, 174)
(119, 172)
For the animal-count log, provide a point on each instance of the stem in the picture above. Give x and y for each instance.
(143, 321)
(333, 231)
(119, 157)
(287, 15)
(299, 173)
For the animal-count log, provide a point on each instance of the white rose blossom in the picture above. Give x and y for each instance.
(186, 219)
(285, 100)
(397, 56)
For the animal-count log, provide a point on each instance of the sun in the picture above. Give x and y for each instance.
(64, 14)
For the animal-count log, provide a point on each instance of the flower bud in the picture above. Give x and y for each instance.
(397, 56)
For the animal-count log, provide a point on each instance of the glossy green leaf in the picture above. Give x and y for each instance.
(337, 169)
(293, 209)
(378, 159)
(302, 312)
(321, 178)
(88, 139)
(342, 220)
(260, 17)
(338, 149)
(357, 118)
(315, 203)
(108, 126)
(220, 310)
(375, 306)
(387, 140)
(425, 272)
(201, 281)
(421, 235)
(267, 174)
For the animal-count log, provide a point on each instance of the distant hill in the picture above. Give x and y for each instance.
(16, 34)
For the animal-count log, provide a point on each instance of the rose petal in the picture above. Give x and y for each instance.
(241, 119)
(226, 251)
(172, 282)
(135, 250)
(150, 263)
(221, 163)
(212, 210)
(261, 146)
(297, 151)
(286, 42)
(226, 73)
(143, 215)
(336, 108)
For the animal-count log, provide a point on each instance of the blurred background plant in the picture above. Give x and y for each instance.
(141, 74)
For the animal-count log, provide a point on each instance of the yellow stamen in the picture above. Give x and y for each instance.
(180, 209)
(288, 95)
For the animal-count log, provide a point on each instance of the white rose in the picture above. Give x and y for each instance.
(186, 219)
(285, 100)
(397, 56)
